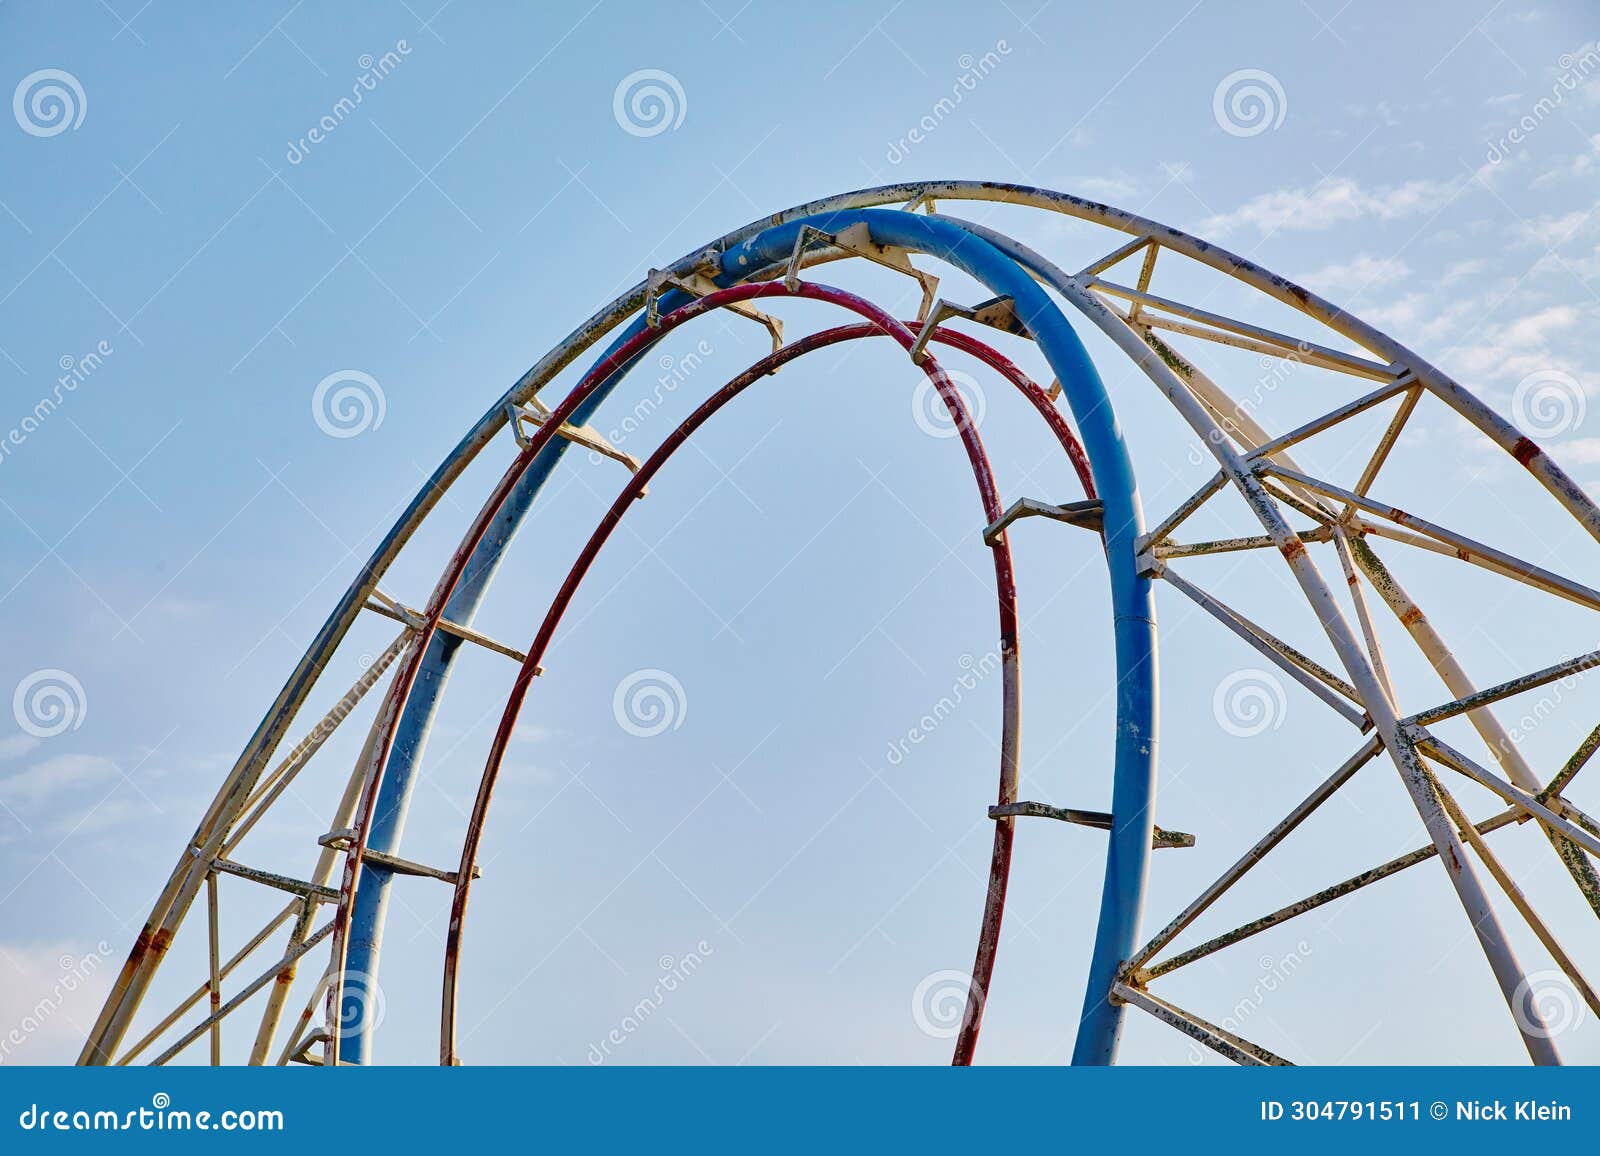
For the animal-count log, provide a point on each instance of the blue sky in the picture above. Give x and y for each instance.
(182, 264)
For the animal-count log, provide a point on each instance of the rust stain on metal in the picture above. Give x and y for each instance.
(1525, 450)
(142, 944)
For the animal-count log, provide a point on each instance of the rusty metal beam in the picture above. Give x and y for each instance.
(1135, 966)
(1220, 1040)
(1100, 820)
(1312, 675)
(1312, 902)
(243, 994)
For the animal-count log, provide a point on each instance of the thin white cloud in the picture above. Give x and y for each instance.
(15, 746)
(1420, 319)
(1383, 111)
(1580, 164)
(1512, 350)
(60, 775)
(1358, 274)
(1578, 451)
(1552, 230)
(49, 995)
(1461, 270)
(107, 815)
(1330, 203)
(1113, 187)
(1535, 328)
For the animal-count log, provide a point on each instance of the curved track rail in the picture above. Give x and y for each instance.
(763, 264)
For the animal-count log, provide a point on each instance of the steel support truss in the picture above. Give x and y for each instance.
(335, 909)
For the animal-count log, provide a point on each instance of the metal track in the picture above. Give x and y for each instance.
(764, 264)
